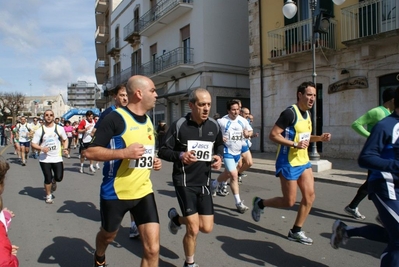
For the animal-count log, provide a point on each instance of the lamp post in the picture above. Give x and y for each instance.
(289, 11)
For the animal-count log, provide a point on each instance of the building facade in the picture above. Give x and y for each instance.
(35, 106)
(180, 44)
(82, 95)
(355, 61)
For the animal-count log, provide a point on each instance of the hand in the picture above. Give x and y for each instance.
(217, 163)
(134, 151)
(14, 250)
(303, 144)
(66, 152)
(9, 211)
(157, 164)
(189, 157)
(246, 133)
(45, 149)
(325, 137)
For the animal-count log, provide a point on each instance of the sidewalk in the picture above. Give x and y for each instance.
(343, 172)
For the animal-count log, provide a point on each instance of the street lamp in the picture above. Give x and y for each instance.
(289, 11)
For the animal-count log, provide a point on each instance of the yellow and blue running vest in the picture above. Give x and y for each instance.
(302, 127)
(121, 181)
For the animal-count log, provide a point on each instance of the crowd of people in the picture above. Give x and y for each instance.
(125, 140)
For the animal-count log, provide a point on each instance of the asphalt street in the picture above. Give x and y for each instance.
(63, 233)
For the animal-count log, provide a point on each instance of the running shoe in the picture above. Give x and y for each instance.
(23, 163)
(68, 156)
(190, 265)
(173, 228)
(98, 166)
(92, 168)
(300, 237)
(256, 211)
(239, 179)
(213, 186)
(222, 190)
(339, 235)
(134, 232)
(241, 207)
(49, 199)
(354, 213)
(81, 170)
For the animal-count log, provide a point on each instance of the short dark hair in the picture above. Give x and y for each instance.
(89, 113)
(232, 102)
(388, 94)
(302, 87)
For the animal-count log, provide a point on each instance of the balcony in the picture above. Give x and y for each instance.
(113, 47)
(100, 49)
(369, 20)
(162, 14)
(101, 66)
(131, 32)
(295, 40)
(173, 63)
(101, 34)
(101, 6)
(100, 19)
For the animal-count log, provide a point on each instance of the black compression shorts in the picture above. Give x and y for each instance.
(144, 211)
(195, 199)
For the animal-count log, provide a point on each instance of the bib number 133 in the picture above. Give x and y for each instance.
(146, 161)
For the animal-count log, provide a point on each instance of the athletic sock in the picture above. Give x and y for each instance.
(260, 204)
(296, 229)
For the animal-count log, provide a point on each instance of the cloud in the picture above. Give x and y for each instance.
(56, 70)
(20, 32)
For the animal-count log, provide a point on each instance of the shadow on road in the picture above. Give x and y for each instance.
(265, 252)
(134, 246)
(85, 210)
(35, 192)
(67, 252)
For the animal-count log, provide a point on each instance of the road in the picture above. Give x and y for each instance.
(63, 233)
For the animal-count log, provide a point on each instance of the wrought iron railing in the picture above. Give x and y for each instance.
(158, 11)
(131, 28)
(178, 56)
(168, 60)
(368, 18)
(297, 37)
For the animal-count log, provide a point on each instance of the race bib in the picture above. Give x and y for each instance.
(304, 136)
(51, 144)
(235, 136)
(146, 161)
(202, 149)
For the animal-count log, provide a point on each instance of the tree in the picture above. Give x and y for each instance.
(11, 104)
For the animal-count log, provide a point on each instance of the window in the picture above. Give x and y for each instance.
(185, 36)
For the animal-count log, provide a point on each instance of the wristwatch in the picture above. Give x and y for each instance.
(295, 145)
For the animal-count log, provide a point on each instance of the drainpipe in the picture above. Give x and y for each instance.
(262, 123)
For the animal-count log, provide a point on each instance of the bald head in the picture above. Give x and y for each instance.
(137, 82)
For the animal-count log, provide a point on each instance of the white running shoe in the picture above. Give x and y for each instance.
(98, 166)
(49, 199)
(92, 169)
(241, 207)
(81, 170)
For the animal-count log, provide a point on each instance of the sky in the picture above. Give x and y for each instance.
(46, 44)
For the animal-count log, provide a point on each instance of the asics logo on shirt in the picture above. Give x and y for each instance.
(133, 128)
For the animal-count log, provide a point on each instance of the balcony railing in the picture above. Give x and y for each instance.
(369, 18)
(168, 60)
(113, 46)
(131, 30)
(297, 37)
(159, 11)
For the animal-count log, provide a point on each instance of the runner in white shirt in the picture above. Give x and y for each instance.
(234, 129)
(48, 140)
